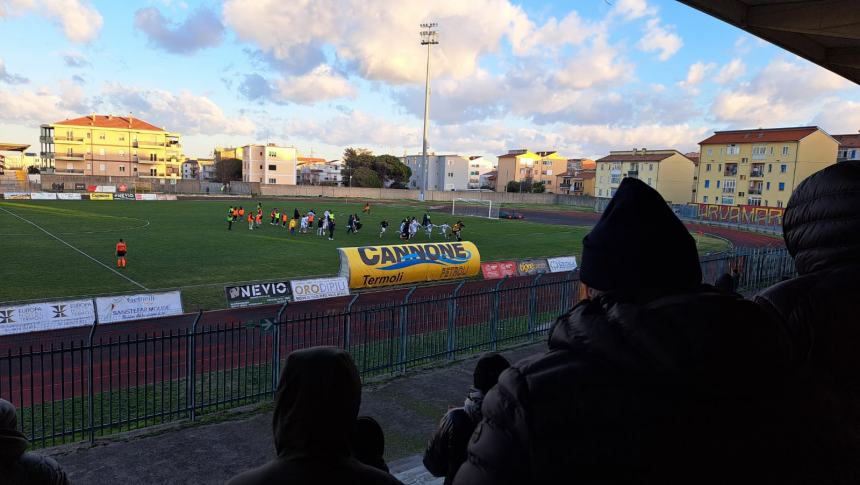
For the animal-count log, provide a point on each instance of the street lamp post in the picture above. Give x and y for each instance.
(429, 36)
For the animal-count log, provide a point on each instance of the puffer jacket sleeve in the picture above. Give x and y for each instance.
(498, 450)
(436, 454)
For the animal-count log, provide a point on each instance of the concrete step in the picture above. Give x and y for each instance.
(411, 471)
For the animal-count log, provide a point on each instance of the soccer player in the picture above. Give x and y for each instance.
(230, 218)
(121, 250)
(258, 221)
(303, 228)
(235, 213)
(428, 230)
(382, 227)
(321, 226)
(413, 228)
(241, 212)
(331, 228)
(443, 229)
(457, 228)
(293, 223)
(273, 216)
(250, 221)
(284, 219)
(366, 209)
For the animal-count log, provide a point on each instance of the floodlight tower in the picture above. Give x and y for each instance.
(429, 36)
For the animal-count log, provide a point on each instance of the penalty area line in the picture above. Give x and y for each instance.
(76, 249)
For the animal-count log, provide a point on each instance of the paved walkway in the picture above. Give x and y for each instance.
(408, 408)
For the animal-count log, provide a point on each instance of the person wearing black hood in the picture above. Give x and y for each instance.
(316, 406)
(654, 379)
(820, 308)
(446, 450)
(368, 443)
(17, 467)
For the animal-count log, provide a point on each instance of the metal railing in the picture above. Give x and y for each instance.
(107, 383)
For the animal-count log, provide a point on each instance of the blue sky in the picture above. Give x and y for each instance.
(581, 77)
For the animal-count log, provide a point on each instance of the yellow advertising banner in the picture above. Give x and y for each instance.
(100, 196)
(375, 266)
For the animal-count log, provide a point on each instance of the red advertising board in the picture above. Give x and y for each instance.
(122, 187)
(91, 188)
(498, 269)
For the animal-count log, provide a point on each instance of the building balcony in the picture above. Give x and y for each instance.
(147, 160)
(46, 139)
(633, 174)
(753, 191)
(756, 173)
(46, 154)
(70, 171)
(147, 143)
(730, 172)
(66, 139)
(69, 156)
(728, 190)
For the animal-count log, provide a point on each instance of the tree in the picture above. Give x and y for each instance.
(387, 168)
(228, 169)
(365, 177)
(539, 187)
(513, 186)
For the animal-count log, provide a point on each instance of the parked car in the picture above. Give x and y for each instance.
(509, 214)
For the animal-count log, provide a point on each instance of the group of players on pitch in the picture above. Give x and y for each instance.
(409, 227)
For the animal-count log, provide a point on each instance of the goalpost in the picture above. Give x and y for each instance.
(474, 208)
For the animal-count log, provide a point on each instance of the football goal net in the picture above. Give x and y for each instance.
(475, 208)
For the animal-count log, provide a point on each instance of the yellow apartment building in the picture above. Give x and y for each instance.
(530, 167)
(111, 146)
(668, 171)
(760, 167)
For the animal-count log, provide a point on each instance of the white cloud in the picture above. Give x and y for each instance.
(660, 39)
(320, 84)
(29, 107)
(633, 9)
(731, 71)
(781, 93)
(201, 29)
(695, 75)
(9, 78)
(599, 65)
(75, 59)
(185, 112)
(80, 21)
(839, 117)
(356, 128)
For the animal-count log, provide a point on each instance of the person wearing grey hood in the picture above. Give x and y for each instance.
(17, 467)
(446, 450)
(316, 406)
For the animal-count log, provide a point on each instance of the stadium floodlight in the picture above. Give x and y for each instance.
(474, 208)
(429, 36)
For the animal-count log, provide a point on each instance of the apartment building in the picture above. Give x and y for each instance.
(445, 172)
(668, 171)
(529, 168)
(577, 182)
(319, 171)
(269, 164)
(478, 166)
(760, 167)
(849, 147)
(110, 145)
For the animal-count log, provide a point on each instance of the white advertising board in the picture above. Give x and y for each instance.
(36, 317)
(63, 196)
(564, 263)
(145, 196)
(317, 288)
(43, 196)
(124, 308)
(108, 189)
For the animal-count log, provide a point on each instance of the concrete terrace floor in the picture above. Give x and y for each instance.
(408, 407)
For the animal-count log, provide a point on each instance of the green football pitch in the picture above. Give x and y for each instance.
(59, 249)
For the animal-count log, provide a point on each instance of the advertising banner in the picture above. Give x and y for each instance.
(375, 266)
(529, 267)
(101, 196)
(498, 269)
(318, 288)
(43, 196)
(110, 189)
(79, 186)
(145, 197)
(120, 196)
(242, 296)
(16, 195)
(561, 264)
(92, 188)
(54, 315)
(64, 196)
(166, 197)
(124, 308)
(122, 187)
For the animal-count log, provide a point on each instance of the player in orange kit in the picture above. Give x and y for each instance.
(121, 250)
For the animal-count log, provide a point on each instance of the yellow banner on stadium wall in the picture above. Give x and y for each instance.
(375, 266)
(100, 196)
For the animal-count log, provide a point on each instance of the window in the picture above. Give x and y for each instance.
(273, 167)
(782, 186)
(450, 174)
(783, 168)
(785, 150)
(779, 203)
(122, 168)
(650, 166)
(69, 135)
(759, 152)
(101, 151)
(153, 172)
(707, 184)
(719, 167)
(718, 184)
(710, 152)
(101, 167)
(88, 135)
(769, 167)
(705, 199)
(771, 151)
(728, 200)
(261, 167)
(728, 186)
(122, 153)
(102, 136)
(767, 186)
(599, 192)
(273, 181)
(707, 167)
(649, 180)
(733, 149)
(753, 201)
(121, 138)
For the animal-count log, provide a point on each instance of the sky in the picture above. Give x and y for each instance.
(581, 77)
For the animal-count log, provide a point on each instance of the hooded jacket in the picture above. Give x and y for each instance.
(18, 467)
(686, 387)
(820, 308)
(317, 403)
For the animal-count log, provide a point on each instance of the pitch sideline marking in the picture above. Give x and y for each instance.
(76, 249)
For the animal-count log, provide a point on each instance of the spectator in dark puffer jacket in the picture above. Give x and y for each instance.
(821, 307)
(315, 408)
(446, 450)
(17, 467)
(656, 379)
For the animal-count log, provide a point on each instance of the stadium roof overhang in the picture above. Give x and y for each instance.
(826, 32)
(13, 147)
